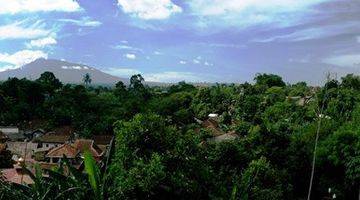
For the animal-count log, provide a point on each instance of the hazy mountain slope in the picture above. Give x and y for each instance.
(67, 72)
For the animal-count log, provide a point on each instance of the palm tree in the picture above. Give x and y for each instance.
(87, 79)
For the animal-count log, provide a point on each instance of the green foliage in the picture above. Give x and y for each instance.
(269, 80)
(87, 79)
(5, 159)
(261, 181)
(163, 152)
(93, 173)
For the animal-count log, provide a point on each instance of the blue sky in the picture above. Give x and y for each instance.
(192, 40)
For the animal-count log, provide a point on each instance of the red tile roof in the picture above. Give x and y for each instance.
(16, 175)
(88, 145)
(66, 149)
(53, 138)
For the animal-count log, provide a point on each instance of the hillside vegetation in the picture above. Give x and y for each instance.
(162, 152)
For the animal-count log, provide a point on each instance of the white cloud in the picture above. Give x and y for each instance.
(130, 56)
(196, 61)
(22, 30)
(243, 13)
(127, 47)
(183, 62)
(84, 21)
(42, 42)
(149, 9)
(76, 67)
(23, 6)
(349, 60)
(172, 77)
(21, 58)
(7, 67)
(157, 53)
(125, 72)
(208, 64)
(312, 33)
(221, 45)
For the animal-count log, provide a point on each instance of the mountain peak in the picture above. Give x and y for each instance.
(67, 72)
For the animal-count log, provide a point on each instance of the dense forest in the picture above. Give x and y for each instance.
(162, 152)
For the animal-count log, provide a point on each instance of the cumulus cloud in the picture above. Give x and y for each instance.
(23, 6)
(183, 62)
(348, 60)
(122, 72)
(42, 42)
(243, 13)
(130, 56)
(84, 21)
(149, 9)
(23, 30)
(20, 58)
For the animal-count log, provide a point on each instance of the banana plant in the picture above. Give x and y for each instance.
(74, 184)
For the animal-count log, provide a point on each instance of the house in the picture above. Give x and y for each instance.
(74, 152)
(84, 145)
(54, 138)
(16, 175)
(51, 140)
(12, 132)
(213, 126)
(56, 154)
(22, 149)
(32, 134)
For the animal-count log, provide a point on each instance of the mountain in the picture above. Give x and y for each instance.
(65, 71)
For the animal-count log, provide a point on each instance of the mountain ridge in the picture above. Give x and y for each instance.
(67, 72)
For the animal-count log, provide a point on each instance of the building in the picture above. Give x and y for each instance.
(22, 149)
(13, 133)
(74, 152)
(55, 138)
(84, 145)
(56, 154)
(32, 134)
(213, 126)
(16, 175)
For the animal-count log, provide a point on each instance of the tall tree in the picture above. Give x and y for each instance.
(49, 82)
(87, 79)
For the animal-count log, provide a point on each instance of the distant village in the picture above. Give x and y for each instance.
(29, 147)
(47, 149)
